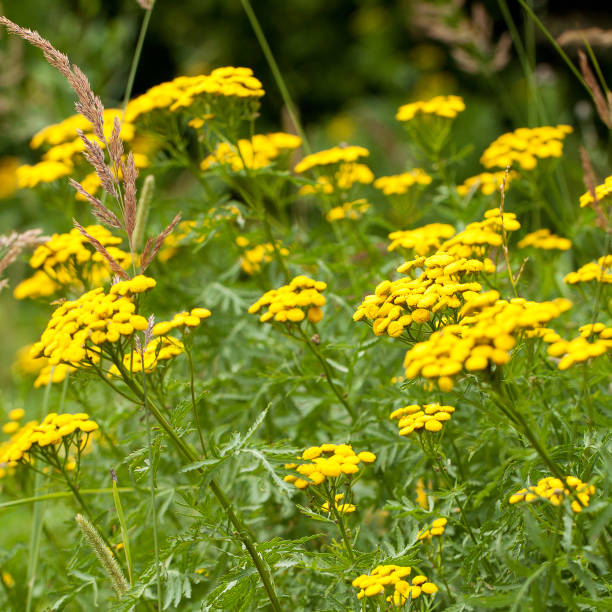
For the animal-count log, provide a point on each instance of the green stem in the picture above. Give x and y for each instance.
(328, 374)
(60, 495)
(152, 485)
(518, 419)
(554, 43)
(37, 517)
(194, 404)
(553, 552)
(451, 487)
(340, 522)
(243, 530)
(276, 73)
(136, 59)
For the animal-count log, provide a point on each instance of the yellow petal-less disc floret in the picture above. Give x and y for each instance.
(487, 332)
(525, 146)
(598, 271)
(398, 184)
(601, 191)
(326, 461)
(28, 439)
(486, 182)
(436, 528)
(554, 490)
(544, 239)
(429, 417)
(78, 328)
(260, 151)
(335, 155)
(292, 303)
(389, 580)
(181, 320)
(69, 261)
(441, 106)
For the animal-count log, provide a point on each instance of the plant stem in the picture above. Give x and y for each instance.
(136, 59)
(152, 484)
(276, 73)
(194, 404)
(451, 487)
(37, 515)
(327, 372)
(554, 43)
(242, 529)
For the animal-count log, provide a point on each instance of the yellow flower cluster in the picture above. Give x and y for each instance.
(8, 175)
(181, 320)
(252, 259)
(593, 271)
(486, 182)
(335, 155)
(398, 184)
(69, 260)
(544, 239)
(197, 91)
(580, 349)
(159, 349)
(258, 152)
(416, 418)
(601, 191)
(341, 178)
(599, 329)
(477, 237)
(421, 240)
(555, 490)
(421, 494)
(42, 172)
(53, 373)
(349, 210)
(286, 304)
(436, 529)
(55, 429)
(326, 461)
(26, 364)
(480, 339)
(14, 416)
(77, 326)
(65, 132)
(341, 508)
(525, 146)
(66, 147)
(395, 305)
(442, 106)
(386, 577)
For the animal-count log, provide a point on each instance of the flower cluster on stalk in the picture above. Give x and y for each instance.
(292, 303)
(525, 146)
(430, 417)
(326, 461)
(554, 490)
(388, 580)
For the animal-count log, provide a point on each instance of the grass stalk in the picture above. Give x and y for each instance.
(276, 73)
(136, 59)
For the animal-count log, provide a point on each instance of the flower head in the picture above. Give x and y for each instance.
(292, 303)
(525, 146)
(388, 580)
(430, 417)
(441, 106)
(326, 461)
(554, 491)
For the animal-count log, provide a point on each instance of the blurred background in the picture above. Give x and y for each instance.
(348, 66)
